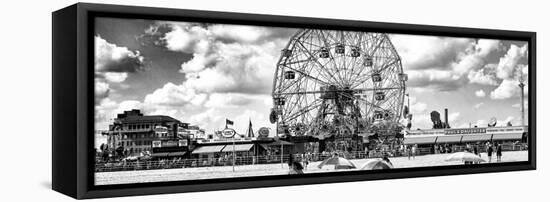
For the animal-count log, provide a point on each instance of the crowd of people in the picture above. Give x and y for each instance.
(104, 163)
(490, 149)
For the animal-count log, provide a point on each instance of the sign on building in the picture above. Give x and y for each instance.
(156, 144)
(182, 143)
(464, 131)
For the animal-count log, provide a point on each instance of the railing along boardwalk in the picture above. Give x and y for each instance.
(152, 164)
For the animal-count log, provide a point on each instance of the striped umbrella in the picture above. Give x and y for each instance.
(338, 162)
(464, 156)
(377, 164)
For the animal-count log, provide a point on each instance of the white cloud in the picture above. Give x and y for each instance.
(440, 80)
(485, 46)
(421, 121)
(478, 105)
(115, 77)
(480, 93)
(481, 123)
(112, 58)
(101, 90)
(226, 58)
(209, 119)
(175, 95)
(512, 62)
(234, 100)
(453, 118)
(484, 76)
(417, 107)
(507, 89)
(185, 37)
(511, 69)
(428, 52)
(243, 34)
(475, 58)
(445, 63)
(112, 65)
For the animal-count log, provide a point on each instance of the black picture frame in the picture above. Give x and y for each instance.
(73, 100)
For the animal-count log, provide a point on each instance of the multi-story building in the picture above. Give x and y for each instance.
(136, 133)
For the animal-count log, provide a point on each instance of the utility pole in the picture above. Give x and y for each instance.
(522, 86)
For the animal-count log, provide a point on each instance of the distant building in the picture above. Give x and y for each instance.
(133, 133)
(458, 138)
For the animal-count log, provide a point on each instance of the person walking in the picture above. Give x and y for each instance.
(306, 159)
(387, 160)
(489, 152)
(476, 152)
(296, 168)
(408, 148)
(413, 151)
(499, 152)
(290, 161)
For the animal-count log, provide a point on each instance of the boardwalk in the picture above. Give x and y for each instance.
(124, 177)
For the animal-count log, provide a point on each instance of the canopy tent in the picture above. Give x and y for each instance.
(507, 136)
(376, 164)
(449, 139)
(338, 162)
(238, 148)
(477, 138)
(208, 149)
(420, 140)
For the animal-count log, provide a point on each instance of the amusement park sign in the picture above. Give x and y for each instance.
(464, 131)
(228, 133)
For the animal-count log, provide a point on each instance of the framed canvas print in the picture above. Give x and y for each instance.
(156, 100)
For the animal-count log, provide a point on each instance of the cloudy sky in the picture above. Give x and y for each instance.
(203, 74)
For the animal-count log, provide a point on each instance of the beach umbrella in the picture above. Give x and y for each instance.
(377, 164)
(464, 156)
(338, 162)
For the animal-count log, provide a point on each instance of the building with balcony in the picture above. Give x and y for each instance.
(134, 133)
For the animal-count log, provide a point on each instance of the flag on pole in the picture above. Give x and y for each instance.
(250, 132)
(228, 122)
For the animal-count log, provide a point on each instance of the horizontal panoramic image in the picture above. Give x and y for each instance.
(177, 101)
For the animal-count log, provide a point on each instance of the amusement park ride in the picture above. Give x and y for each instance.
(339, 86)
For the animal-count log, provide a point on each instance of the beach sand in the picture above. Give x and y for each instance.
(141, 176)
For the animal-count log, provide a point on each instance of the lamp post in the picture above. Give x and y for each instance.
(408, 101)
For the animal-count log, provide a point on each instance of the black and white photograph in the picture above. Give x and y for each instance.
(178, 101)
(272, 101)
